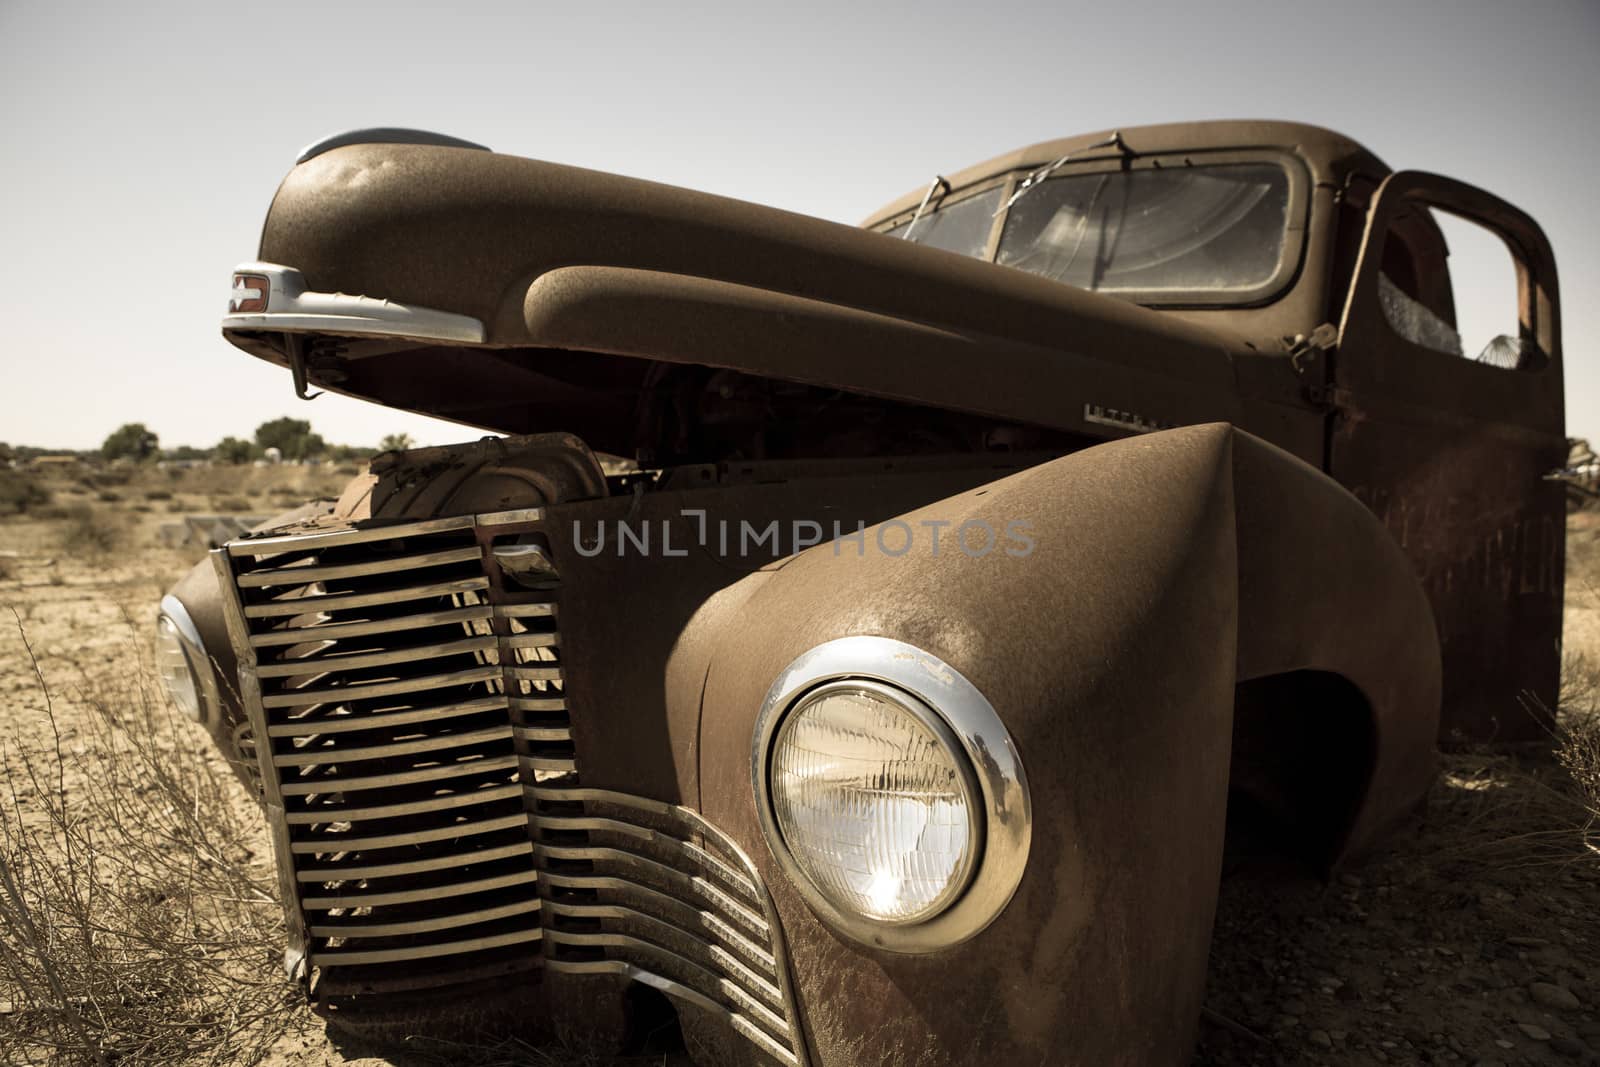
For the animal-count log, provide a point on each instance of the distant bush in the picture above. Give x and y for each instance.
(111, 476)
(233, 503)
(235, 451)
(20, 494)
(158, 494)
(88, 534)
(106, 496)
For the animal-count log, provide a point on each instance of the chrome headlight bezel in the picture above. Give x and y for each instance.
(194, 651)
(925, 685)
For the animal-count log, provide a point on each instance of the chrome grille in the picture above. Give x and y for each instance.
(426, 798)
(653, 891)
(373, 669)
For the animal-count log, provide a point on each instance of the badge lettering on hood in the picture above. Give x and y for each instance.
(1122, 420)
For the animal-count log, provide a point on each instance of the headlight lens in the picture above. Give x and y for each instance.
(172, 662)
(875, 801)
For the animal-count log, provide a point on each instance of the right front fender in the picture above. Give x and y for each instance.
(1158, 577)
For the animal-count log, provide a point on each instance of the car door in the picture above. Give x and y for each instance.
(1450, 448)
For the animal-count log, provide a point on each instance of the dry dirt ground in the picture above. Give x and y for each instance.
(1473, 937)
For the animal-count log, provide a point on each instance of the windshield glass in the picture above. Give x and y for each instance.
(962, 227)
(1154, 234)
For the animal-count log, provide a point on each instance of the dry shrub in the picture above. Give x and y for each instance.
(20, 494)
(1506, 809)
(107, 477)
(89, 534)
(133, 925)
(1578, 731)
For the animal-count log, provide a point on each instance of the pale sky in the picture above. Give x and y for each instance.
(142, 142)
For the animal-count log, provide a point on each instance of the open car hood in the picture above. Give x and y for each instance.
(521, 296)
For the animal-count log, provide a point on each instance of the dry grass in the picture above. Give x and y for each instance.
(1578, 733)
(1528, 808)
(134, 927)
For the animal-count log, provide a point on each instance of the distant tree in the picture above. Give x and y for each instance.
(396, 442)
(234, 450)
(291, 437)
(183, 453)
(7, 457)
(131, 441)
(350, 453)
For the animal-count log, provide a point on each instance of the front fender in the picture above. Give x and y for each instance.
(1111, 651)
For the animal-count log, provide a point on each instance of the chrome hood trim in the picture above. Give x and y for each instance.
(270, 296)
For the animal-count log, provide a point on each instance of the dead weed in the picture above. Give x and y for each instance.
(134, 926)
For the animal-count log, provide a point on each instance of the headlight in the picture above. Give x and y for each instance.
(172, 663)
(891, 793)
(875, 801)
(182, 662)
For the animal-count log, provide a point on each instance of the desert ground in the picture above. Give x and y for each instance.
(138, 923)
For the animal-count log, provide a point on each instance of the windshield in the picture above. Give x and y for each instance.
(1149, 232)
(1156, 235)
(963, 227)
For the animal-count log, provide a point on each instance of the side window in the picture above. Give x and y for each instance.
(1450, 284)
(1414, 283)
(1483, 277)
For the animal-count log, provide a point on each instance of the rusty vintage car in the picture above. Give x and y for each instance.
(975, 574)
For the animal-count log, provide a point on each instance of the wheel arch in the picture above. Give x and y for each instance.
(1304, 748)
(1333, 616)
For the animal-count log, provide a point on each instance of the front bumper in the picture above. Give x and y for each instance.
(430, 816)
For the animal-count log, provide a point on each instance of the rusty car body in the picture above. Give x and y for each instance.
(731, 724)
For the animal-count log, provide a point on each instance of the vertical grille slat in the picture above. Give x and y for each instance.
(420, 770)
